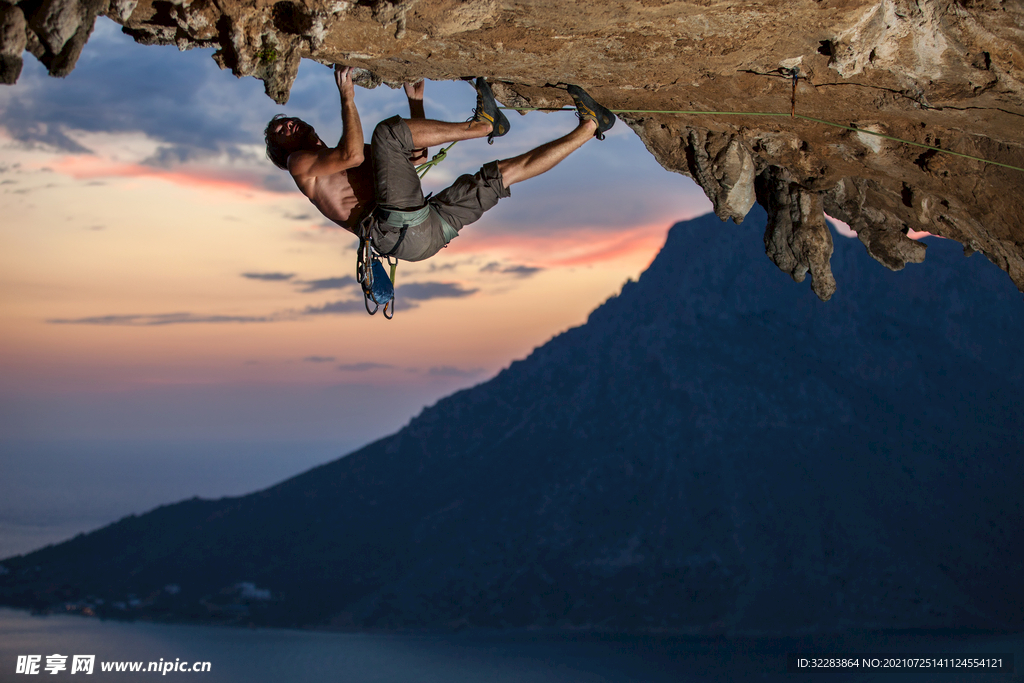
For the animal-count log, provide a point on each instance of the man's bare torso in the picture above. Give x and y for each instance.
(343, 197)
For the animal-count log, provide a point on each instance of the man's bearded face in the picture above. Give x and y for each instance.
(294, 134)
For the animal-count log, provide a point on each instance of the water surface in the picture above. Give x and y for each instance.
(239, 655)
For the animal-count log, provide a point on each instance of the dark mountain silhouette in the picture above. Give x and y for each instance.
(715, 451)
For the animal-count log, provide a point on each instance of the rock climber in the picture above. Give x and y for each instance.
(376, 188)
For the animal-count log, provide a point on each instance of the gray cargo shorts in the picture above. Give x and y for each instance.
(397, 188)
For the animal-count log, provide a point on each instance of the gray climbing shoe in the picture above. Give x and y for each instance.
(487, 110)
(587, 108)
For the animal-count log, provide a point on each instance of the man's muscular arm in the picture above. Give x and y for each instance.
(349, 152)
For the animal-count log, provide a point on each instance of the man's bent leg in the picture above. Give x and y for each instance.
(544, 158)
(470, 196)
(431, 133)
(396, 185)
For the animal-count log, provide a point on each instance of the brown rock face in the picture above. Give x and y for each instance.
(13, 38)
(942, 73)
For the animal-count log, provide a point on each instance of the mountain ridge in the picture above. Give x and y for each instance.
(714, 451)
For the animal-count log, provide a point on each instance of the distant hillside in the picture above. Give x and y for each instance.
(714, 451)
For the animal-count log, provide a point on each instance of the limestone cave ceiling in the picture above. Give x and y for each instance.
(943, 73)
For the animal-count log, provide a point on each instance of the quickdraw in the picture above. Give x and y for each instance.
(378, 287)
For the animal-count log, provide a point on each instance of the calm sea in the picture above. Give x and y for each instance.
(52, 490)
(282, 656)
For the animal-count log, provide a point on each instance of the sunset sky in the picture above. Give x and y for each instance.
(162, 280)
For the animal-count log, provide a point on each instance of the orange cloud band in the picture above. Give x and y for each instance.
(572, 246)
(83, 167)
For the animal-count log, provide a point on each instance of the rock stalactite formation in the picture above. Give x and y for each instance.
(943, 73)
(797, 239)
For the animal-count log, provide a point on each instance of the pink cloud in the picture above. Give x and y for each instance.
(82, 167)
(578, 246)
(846, 231)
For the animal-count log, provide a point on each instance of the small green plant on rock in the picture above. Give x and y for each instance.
(267, 55)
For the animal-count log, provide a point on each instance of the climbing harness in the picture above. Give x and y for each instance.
(377, 284)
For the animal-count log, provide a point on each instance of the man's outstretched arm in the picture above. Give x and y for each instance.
(349, 152)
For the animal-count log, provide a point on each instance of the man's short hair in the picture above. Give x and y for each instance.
(275, 152)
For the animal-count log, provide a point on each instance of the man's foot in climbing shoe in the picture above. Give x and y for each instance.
(487, 110)
(587, 108)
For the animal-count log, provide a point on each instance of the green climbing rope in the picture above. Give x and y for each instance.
(695, 112)
(910, 142)
(423, 168)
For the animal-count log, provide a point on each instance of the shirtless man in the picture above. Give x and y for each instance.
(375, 187)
